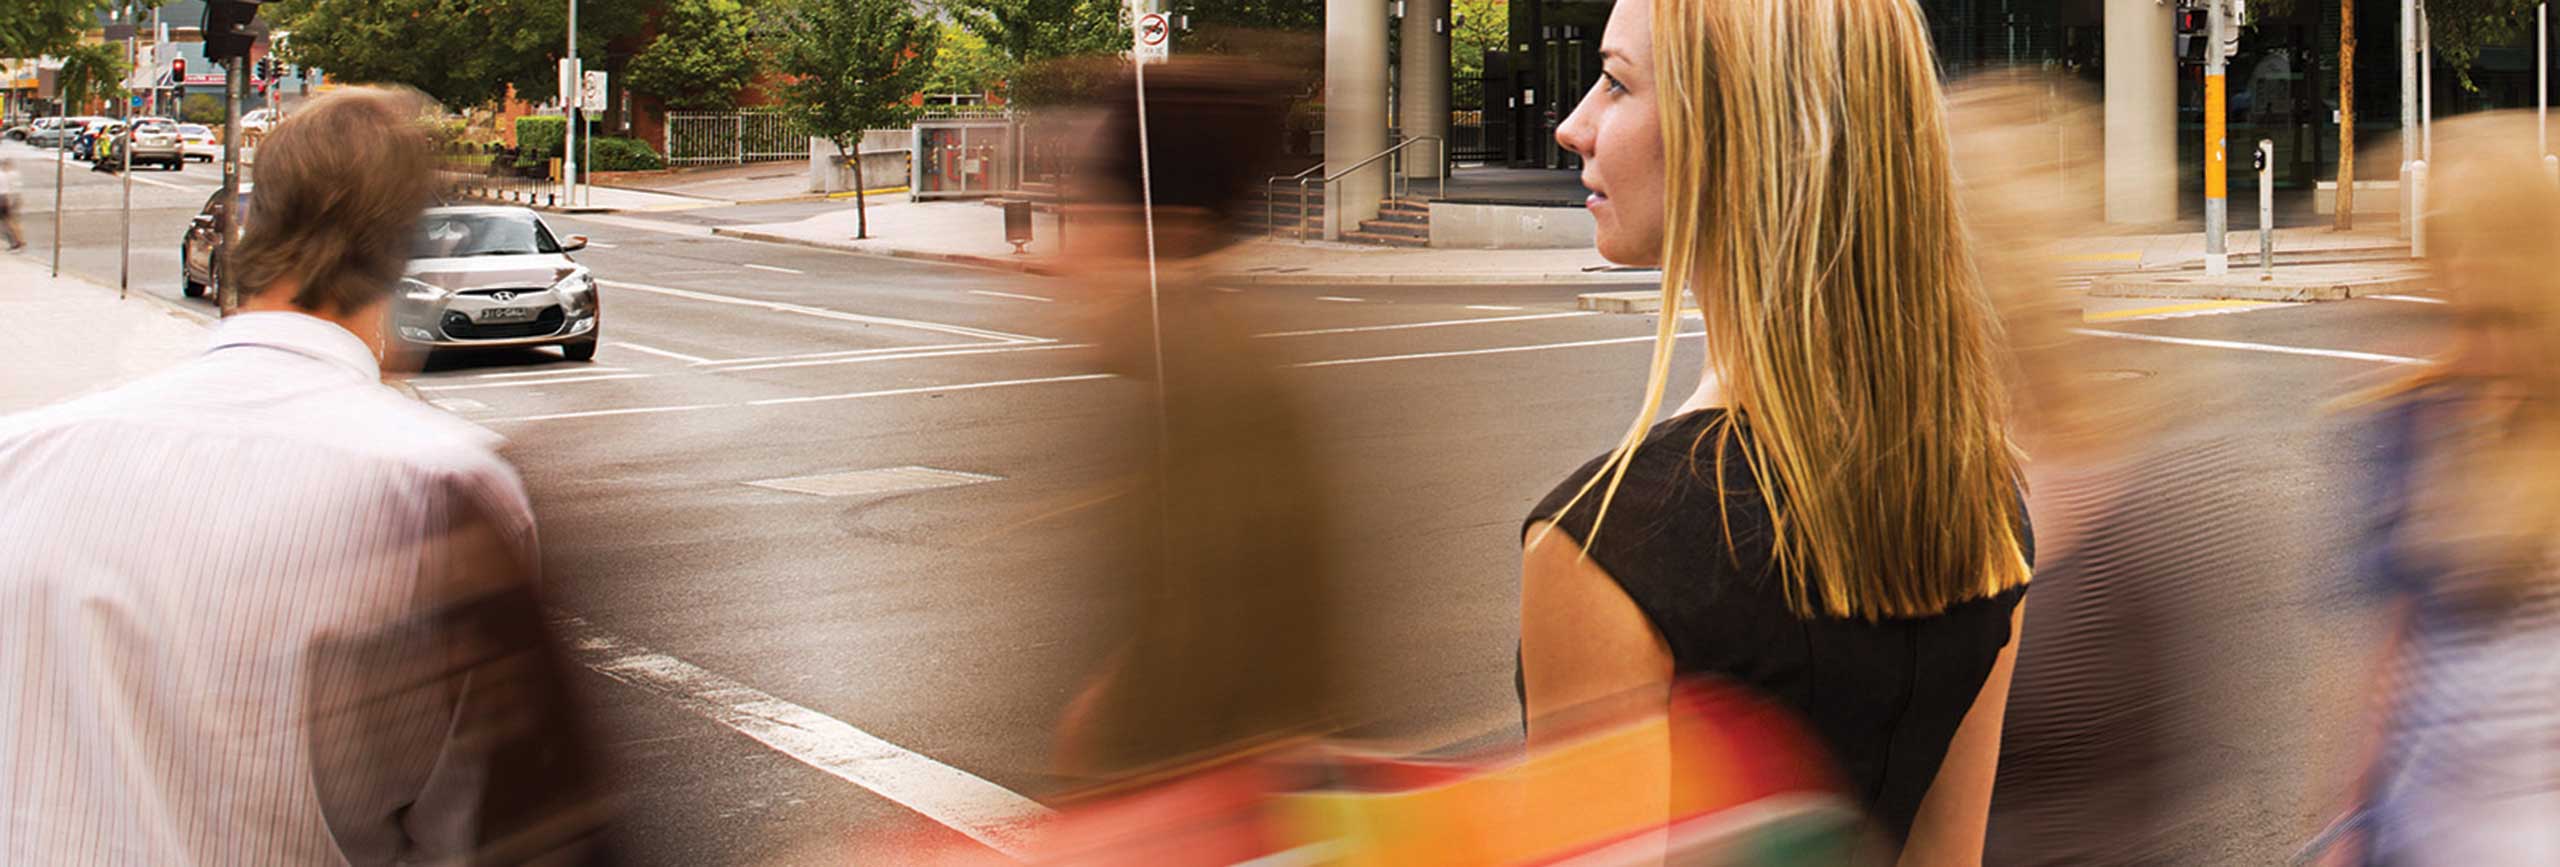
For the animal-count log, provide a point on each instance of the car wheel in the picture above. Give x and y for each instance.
(190, 286)
(582, 351)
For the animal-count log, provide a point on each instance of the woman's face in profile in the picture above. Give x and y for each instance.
(1618, 131)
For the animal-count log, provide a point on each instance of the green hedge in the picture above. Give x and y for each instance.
(625, 155)
(538, 139)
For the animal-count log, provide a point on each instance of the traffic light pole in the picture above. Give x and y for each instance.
(2217, 156)
(235, 91)
(569, 99)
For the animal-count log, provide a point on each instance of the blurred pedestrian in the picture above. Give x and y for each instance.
(2143, 543)
(9, 204)
(1834, 517)
(2459, 545)
(261, 608)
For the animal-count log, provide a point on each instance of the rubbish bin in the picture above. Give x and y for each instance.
(1017, 224)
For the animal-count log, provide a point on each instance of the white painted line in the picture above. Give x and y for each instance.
(823, 313)
(459, 405)
(962, 801)
(527, 383)
(848, 353)
(2255, 347)
(600, 245)
(2412, 299)
(661, 353)
(601, 413)
(556, 371)
(1339, 299)
(932, 389)
(994, 294)
(910, 356)
(1499, 350)
(1488, 320)
(1229, 290)
(773, 269)
(1498, 308)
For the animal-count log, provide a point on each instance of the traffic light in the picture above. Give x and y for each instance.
(266, 69)
(2195, 35)
(178, 72)
(230, 28)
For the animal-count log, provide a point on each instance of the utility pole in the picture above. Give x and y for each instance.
(124, 152)
(2346, 115)
(235, 91)
(2217, 156)
(572, 83)
(2408, 111)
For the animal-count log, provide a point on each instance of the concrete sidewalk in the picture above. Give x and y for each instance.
(961, 232)
(68, 337)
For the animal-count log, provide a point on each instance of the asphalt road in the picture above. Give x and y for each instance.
(788, 670)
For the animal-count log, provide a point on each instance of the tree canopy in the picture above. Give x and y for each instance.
(2458, 28)
(35, 28)
(854, 65)
(703, 55)
(1034, 33)
(461, 52)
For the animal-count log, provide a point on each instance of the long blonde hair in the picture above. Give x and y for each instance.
(1811, 205)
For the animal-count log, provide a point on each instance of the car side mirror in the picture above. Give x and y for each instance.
(204, 221)
(574, 244)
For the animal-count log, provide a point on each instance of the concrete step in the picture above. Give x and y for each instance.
(1397, 229)
(1378, 240)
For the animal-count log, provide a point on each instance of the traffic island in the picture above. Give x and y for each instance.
(2295, 283)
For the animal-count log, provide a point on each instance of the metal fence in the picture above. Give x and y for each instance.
(714, 138)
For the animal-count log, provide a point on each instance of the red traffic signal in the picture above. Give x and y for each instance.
(178, 72)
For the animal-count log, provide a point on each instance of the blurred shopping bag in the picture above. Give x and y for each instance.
(1717, 777)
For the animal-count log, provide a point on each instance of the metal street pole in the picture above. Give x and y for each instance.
(2408, 108)
(61, 155)
(576, 79)
(2542, 79)
(2426, 86)
(2217, 156)
(235, 90)
(124, 154)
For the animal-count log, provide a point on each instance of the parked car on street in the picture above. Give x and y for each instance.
(496, 277)
(198, 143)
(200, 252)
(50, 132)
(155, 141)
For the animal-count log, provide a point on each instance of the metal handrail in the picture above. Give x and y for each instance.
(1397, 175)
(1271, 204)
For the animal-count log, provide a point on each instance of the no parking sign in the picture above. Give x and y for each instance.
(1154, 38)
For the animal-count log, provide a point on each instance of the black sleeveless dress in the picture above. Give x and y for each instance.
(1885, 697)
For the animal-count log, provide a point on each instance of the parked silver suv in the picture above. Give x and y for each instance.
(492, 277)
(156, 142)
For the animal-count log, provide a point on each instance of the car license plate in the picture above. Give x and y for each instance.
(507, 314)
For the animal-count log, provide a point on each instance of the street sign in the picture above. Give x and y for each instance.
(569, 85)
(592, 95)
(1154, 38)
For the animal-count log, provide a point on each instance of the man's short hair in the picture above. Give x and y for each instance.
(340, 186)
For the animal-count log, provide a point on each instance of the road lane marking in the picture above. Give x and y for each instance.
(994, 294)
(2177, 311)
(964, 802)
(556, 371)
(1339, 299)
(2411, 299)
(1486, 320)
(526, 383)
(600, 245)
(909, 356)
(2254, 347)
(930, 389)
(848, 353)
(661, 353)
(774, 269)
(1498, 350)
(823, 313)
(1498, 308)
(601, 413)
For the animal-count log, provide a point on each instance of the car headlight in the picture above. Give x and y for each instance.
(414, 290)
(577, 292)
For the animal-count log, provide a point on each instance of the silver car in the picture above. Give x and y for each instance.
(496, 277)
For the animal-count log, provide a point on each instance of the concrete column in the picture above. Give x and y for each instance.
(1423, 82)
(1355, 110)
(2142, 112)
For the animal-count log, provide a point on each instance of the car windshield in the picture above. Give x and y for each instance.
(196, 129)
(156, 126)
(453, 236)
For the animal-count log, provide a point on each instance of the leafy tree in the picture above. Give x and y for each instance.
(855, 65)
(92, 72)
(967, 64)
(35, 28)
(1484, 25)
(1037, 34)
(461, 52)
(702, 57)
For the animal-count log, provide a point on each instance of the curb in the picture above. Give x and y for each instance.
(1648, 302)
(2239, 288)
(993, 263)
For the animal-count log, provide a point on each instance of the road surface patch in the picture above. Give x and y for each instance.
(1498, 350)
(889, 480)
(1482, 320)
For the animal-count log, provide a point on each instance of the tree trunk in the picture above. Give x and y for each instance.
(2346, 115)
(861, 207)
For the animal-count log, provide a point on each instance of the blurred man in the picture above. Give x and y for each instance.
(9, 206)
(262, 609)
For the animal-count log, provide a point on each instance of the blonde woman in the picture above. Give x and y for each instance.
(1833, 518)
(2463, 514)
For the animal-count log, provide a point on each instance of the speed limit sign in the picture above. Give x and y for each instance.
(1154, 38)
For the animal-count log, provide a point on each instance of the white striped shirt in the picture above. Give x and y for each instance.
(185, 563)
